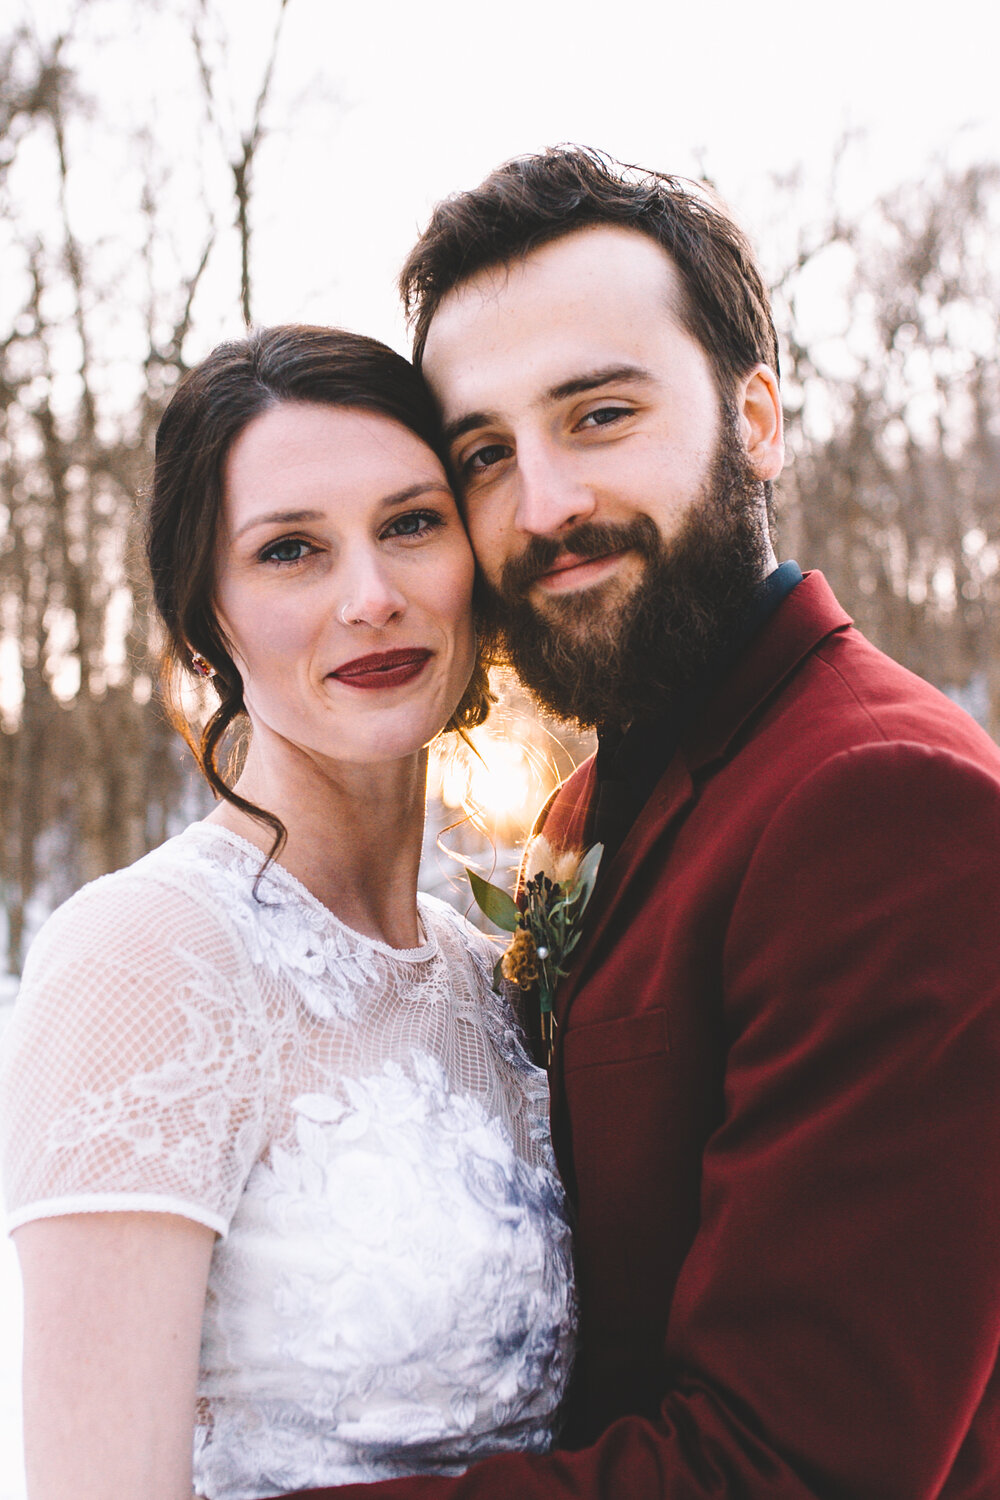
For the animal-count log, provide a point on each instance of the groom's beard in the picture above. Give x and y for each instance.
(603, 656)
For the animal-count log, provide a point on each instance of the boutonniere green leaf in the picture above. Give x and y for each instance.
(545, 921)
(495, 903)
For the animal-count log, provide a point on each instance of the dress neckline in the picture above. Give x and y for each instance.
(276, 874)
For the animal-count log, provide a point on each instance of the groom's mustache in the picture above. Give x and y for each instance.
(589, 539)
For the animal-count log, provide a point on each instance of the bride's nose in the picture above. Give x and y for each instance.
(368, 595)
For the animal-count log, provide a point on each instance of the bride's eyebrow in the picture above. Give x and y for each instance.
(414, 491)
(297, 517)
(279, 518)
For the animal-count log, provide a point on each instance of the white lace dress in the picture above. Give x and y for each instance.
(391, 1290)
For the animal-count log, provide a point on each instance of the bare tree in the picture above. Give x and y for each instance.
(90, 773)
(895, 479)
(241, 156)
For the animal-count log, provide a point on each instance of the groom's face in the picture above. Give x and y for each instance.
(571, 392)
(590, 441)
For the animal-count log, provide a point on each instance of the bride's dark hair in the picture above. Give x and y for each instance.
(208, 411)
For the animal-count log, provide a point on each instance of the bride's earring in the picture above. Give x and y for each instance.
(200, 665)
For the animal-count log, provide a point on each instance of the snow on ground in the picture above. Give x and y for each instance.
(11, 1461)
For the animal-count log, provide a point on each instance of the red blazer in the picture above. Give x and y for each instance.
(776, 1101)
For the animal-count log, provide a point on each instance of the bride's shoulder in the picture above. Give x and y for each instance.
(140, 965)
(142, 1048)
(130, 916)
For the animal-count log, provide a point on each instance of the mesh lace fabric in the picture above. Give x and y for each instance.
(391, 1291)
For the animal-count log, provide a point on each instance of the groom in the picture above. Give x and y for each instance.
(776, 1081)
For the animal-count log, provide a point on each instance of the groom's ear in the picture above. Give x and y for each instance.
(758, 402)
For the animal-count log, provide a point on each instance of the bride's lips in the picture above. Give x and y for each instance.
(383, 669)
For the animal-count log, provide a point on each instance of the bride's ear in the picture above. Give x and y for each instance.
(758, 402)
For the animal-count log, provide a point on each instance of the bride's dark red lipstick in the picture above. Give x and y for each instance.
(383, 669)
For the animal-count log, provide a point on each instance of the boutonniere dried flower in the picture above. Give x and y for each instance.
(545, 921)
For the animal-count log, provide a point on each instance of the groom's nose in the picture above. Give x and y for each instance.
(551, 495)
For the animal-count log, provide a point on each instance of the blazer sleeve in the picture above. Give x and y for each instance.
(836, 1322)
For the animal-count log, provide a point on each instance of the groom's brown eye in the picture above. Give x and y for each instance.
(484, 458)
(603, 415)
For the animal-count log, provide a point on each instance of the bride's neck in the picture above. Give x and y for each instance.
(354, 832)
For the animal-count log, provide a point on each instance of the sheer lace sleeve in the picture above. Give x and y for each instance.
(134, 1072)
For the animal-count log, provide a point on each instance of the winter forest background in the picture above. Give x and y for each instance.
(128, 247)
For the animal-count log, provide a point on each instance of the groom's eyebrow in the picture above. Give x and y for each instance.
(594, 379)
(579, 385)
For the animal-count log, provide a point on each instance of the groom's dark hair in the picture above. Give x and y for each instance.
(533, 200)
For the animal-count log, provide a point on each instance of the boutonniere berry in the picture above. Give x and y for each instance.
(545, 921)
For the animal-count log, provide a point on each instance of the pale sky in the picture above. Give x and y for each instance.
(435, 95)
(380, 108)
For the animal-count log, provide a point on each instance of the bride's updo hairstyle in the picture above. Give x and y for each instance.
(208, 411)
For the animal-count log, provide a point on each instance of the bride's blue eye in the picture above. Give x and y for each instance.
(289, 549)
(414, 523)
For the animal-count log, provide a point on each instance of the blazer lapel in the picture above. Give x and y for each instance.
(672, 794)
(566, 818)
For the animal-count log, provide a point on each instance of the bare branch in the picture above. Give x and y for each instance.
(242, 169)
(241, 164)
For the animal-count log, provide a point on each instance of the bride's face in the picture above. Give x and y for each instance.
(343, 583)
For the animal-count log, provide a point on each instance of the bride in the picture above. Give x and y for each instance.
(276, 1165)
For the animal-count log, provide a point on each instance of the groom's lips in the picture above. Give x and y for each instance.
(571, 571)
(383, 669)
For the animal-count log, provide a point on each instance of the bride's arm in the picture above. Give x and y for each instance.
(113, 1307)
(136, 1076)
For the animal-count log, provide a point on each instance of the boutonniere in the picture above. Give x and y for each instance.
(545, 921)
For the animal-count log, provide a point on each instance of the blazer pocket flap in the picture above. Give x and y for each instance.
(622, 1040)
